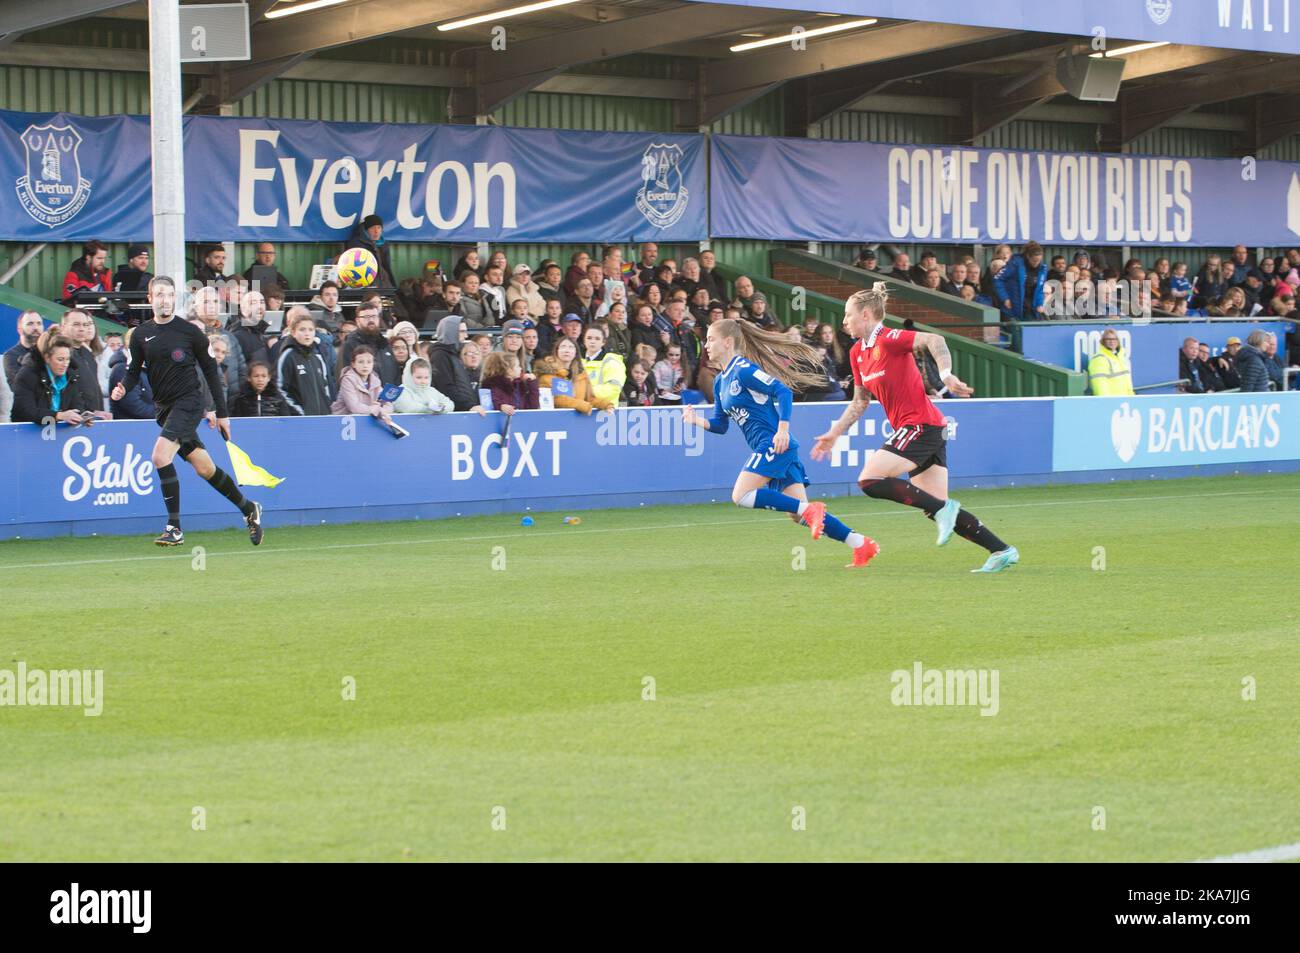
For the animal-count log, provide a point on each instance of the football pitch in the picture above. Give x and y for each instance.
(672, 683)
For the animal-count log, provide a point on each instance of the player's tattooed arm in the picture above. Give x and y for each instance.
(938, 348)
(856, 408)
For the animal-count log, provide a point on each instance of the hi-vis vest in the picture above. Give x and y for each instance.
(607, 376)
(1109, 374)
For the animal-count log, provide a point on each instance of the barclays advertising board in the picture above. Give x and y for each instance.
(1108, 433)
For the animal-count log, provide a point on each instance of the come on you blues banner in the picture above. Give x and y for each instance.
(864, 191)
(71, 178)
(1271, 26)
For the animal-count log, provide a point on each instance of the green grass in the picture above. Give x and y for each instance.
(522, 688)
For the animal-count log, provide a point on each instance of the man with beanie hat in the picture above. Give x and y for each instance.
(134, 275)
(369, 234)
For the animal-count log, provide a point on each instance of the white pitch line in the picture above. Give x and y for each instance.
(609, 529)
(1267, 855)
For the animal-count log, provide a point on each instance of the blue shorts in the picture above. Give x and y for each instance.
(783, 471)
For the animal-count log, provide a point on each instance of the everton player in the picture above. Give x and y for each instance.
(883, 367)
(169, 349)
(749, 392)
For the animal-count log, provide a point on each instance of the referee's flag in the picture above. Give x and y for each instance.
(247, 473)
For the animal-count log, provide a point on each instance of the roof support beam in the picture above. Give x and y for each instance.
(831, 93)
(24, 16)
(744, 77)
(329, 27)
(497, 77)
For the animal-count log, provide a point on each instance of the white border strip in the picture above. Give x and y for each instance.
(1268, 855)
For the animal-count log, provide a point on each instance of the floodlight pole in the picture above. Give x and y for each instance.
(166, 140)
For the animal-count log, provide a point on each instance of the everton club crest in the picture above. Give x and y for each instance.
(663, 195)
(53, 190)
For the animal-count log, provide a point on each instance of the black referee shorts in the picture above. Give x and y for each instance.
(180, 422)
(923, 444)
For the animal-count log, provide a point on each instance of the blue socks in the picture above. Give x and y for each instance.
(766, 499)
(835, 529)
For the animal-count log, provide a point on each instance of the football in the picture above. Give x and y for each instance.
(357, 268)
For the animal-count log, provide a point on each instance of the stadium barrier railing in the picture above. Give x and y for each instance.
(992, 371)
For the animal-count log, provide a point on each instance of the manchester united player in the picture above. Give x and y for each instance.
(169, 349)
(884, 368)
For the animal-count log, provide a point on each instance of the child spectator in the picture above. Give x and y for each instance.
(302, 376)
(511, 390)
(1180, 286)
(670, 375)
(360, 386)
(639, 391)
(471, 355)
(259, 397)
(418, 395)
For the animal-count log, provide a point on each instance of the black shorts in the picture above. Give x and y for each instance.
(923, 444)
(180, 422)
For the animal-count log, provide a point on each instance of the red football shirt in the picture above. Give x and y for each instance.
(883, 364)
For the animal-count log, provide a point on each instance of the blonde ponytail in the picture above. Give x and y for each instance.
(873, 301)
(797, 365)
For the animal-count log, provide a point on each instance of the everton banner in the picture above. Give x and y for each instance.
(72, 178)
(819, 190)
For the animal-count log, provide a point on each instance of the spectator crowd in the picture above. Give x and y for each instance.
(494, 334)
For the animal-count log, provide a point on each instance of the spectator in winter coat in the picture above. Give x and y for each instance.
(301, 374)
(476, 307)
(134, 275)
(87, 273)
(523, 287)
(1210, 284)
(470, 261)
(1273, 363)
(582, 302)
(450, 376)
(259, 397)
(265, 256)
(471, 356)
(370, 236)
(250, 333)
(360, 386)
(1189, 369)
(79, 328)
(329, 313)
(418, 395)
(670, 376)
(511, 390)
(577, 271)
(369, 335)
(618, 336)
(45, 386)
(206, 305)
(212, 268)
(550, 328)
(30, 326)
(1019, 284)
(639, 390)
(563, 373)
(136, 404)
(1250, 363)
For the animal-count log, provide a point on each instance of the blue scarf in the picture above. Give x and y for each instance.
(58, 383)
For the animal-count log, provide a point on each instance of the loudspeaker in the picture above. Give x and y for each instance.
(1091, 79)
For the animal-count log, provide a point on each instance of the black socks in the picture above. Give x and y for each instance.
(968, 527)
(171, 493)
(900, 491)
(223, 484)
